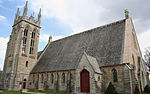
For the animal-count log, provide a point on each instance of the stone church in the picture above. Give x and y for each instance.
(81, 63)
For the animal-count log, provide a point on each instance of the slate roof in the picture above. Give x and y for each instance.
(105, 43)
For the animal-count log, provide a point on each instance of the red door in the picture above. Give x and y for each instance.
(84, 81)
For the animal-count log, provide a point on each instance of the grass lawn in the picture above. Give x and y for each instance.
(18, 92)
(11, 92)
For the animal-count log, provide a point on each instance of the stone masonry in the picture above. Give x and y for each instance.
(21, 54)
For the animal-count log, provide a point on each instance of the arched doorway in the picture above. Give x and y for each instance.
(24, 84)
(84, 81)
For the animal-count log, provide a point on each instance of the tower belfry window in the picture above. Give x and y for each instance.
(52, 78)
(26, 32)
(33, 35)
(24, 40)
(32, 42)
(31, 50)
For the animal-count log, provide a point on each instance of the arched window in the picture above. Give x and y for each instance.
(33, 78)
(70, 76)
(27, 63)
(31, 50)
(138, 59)
(63, 78)
(24, 40)
(33, 35)
(26, 32)
(57, 77)
(42, 78)
(98, 78)
(52, 78)
(47, 77)
(69, 82)
(114, 75)
(32, 42)
(37, 77)
(133, 59)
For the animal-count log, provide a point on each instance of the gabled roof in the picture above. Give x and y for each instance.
(93, 62)
(104, 43)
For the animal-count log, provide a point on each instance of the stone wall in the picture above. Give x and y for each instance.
(19, 63)
(108, 77)
(45, 81)
(132, 54)
(55, 81)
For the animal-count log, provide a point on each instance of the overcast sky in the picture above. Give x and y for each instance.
(61, 18)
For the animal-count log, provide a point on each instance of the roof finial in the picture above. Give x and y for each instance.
(17, 15)
(39, 15)
(33, 13)
(18, 12)
(126, 13)
(50, 39)
(26, 5)
(25, 9)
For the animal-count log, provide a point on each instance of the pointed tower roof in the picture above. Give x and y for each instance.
(18, 12)
(25, 9)
(39, 15)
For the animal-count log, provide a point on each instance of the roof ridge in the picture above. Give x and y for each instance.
(93, 29)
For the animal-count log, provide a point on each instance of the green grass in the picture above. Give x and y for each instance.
(18, 92)
(12, 92)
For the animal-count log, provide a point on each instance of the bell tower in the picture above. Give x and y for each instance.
(22, 48)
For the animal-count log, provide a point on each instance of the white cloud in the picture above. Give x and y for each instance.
(2, 18)
(85, 14)
(144, 40)
(44, 40)
(20, 6)
(79, 14)
(3, 46)
(45, 37)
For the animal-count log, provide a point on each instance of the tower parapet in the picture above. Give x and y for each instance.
(24, 17)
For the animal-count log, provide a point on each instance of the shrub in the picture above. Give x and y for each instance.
(111, 89)
(147, 89)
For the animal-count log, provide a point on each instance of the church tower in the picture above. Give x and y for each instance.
(22, 47)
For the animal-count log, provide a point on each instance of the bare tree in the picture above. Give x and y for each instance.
(147, 57)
